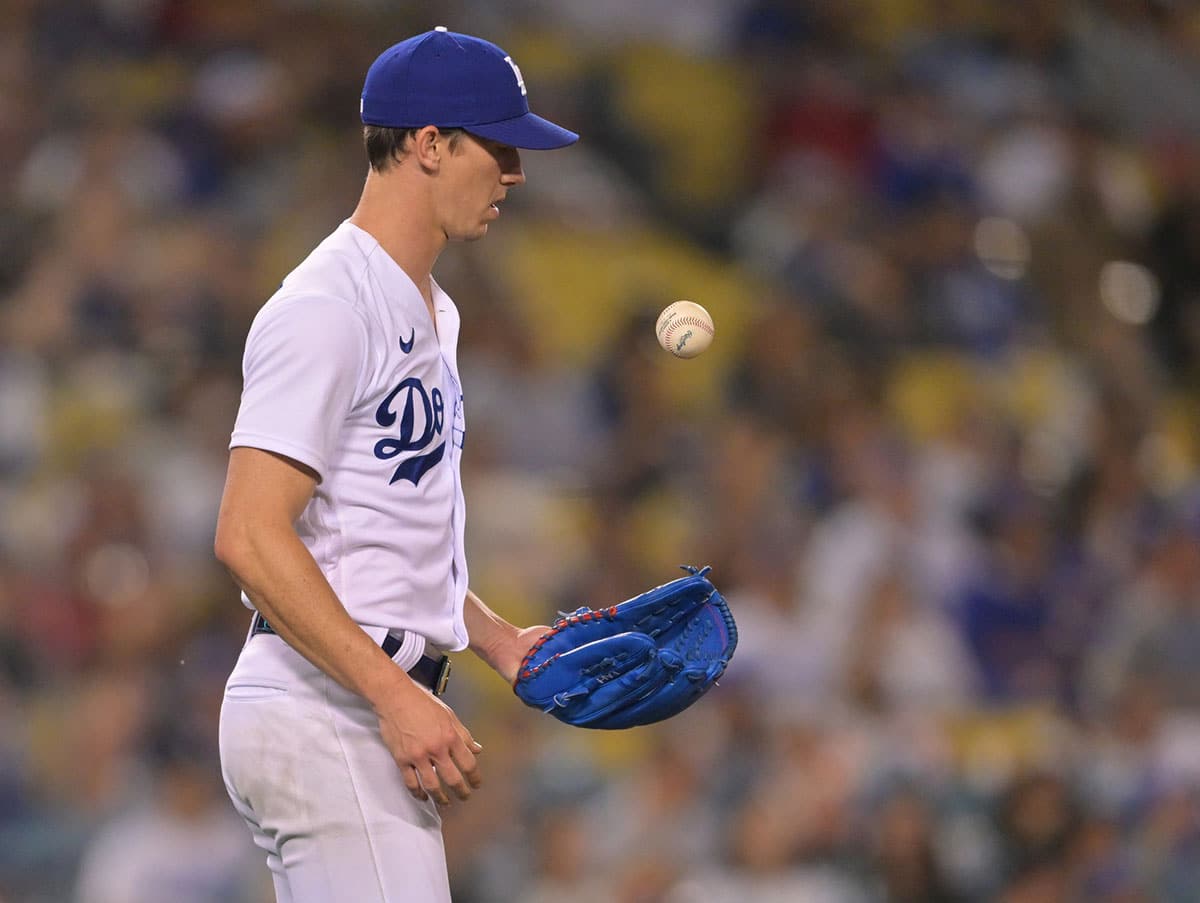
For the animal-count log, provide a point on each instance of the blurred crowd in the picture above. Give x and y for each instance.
(943, 456)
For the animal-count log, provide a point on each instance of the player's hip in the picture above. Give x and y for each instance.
(269, 671)
(298, 765)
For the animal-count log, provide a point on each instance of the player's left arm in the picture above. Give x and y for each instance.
(500, 644)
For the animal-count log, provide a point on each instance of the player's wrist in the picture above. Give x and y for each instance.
(386, 686)
(492, 648)
(509, 649)
(491, 636)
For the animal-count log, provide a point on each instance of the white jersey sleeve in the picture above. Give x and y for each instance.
(301, 375)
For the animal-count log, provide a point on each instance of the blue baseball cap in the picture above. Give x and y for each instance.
(453, 80)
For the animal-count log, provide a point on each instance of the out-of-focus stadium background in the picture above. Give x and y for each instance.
(942, 456)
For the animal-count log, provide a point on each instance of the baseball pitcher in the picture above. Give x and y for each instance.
(342, 517)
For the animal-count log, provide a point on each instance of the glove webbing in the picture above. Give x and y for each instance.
(679, 614)
(695, 635)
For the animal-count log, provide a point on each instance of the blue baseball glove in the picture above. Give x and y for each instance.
(641, 661)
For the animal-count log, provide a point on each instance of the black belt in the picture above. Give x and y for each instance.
(430, 672)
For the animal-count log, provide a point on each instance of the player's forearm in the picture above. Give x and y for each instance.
(281, 578)
(488, 632)
(496, 641)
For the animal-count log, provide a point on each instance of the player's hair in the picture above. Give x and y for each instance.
(385, 145)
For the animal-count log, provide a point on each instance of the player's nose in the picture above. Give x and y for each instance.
(511, 173)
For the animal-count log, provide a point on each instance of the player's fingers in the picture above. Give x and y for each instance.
(413, 782)
(429, 781)
(471, 743)
(452, 777)
(464, 758)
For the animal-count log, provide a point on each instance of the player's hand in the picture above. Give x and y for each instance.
(434, 750)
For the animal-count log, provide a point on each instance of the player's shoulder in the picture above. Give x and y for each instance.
(335, 268)
(327, 283)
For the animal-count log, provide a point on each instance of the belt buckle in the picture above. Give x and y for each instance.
(443, 678)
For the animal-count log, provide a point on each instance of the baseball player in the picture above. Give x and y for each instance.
(342, 516)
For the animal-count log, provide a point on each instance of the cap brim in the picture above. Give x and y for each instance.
(530, 132)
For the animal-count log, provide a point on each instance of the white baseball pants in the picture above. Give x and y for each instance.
(306, 768)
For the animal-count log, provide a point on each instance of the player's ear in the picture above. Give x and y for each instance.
(428, 146)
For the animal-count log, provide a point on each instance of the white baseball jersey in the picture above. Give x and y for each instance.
(345, 373)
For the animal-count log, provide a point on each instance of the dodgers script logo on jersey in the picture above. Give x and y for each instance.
(421, 421)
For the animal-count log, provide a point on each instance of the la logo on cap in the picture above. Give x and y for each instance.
(517, 72)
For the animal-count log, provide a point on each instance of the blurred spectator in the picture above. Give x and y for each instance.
(907, 657)
(904, 853)
(181, 843)
(1038, 823)
(564, 870)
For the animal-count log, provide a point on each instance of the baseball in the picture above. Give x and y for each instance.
(684, 328)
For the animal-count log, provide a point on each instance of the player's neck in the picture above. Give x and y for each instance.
(397, 218)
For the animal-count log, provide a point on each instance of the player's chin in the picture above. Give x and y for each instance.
(468, 234)
(475, 233)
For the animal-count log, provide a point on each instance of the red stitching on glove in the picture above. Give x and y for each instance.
(525, 672)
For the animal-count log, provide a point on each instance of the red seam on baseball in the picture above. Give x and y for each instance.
(696, 321)
(669, 335)
(689, 320)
